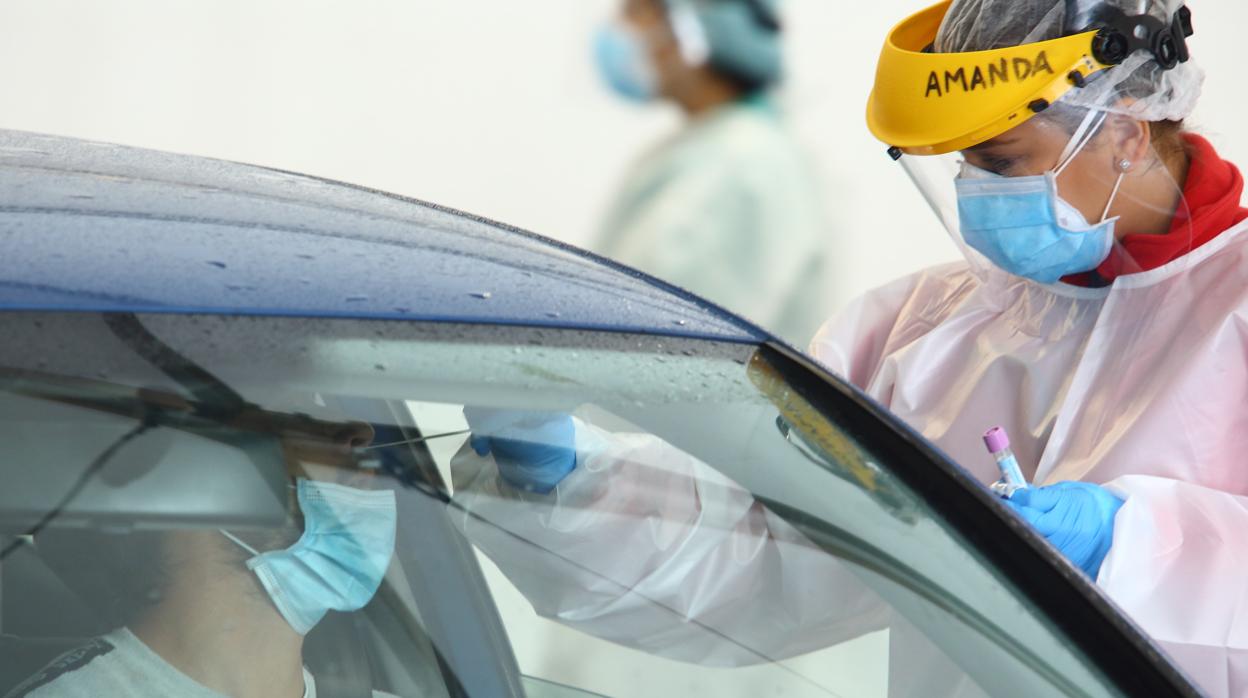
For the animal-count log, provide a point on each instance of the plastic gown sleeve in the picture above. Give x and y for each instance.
(1173, 541)
(645, 546)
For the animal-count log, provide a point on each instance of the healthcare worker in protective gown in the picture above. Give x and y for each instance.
(728, 206)
(1100, 316)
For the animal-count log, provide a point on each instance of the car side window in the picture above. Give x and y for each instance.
(737, 545)
(716, 531)
(557, 653)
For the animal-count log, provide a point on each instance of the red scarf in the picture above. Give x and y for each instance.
(1213, 190)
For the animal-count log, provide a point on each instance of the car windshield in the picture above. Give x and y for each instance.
(175, 490)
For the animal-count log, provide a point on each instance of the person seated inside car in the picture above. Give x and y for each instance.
(209, 613)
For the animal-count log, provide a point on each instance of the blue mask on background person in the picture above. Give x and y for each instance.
(624, 63)
(339, 561)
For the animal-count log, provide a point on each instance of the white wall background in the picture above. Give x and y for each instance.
(485, 105)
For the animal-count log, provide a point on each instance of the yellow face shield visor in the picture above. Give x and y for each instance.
(927, 103)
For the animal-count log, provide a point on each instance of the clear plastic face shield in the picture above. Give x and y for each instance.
(1060, 197)
(1045, 135)
(1058, 168)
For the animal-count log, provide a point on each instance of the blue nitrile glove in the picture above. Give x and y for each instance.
(534, 451)
(1076, 517)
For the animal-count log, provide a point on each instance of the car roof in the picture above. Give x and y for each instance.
(88, 226)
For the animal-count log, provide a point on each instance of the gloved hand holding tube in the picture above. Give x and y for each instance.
(1012, 479)
(534, 451)
(1076, 517)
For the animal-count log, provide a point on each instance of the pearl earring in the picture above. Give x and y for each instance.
(1124, 165)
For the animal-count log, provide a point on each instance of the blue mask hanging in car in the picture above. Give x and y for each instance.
(339, 561)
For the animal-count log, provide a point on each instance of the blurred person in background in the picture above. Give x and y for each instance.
(727, 207)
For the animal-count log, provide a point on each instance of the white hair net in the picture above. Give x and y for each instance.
(1139, 88)
(743, 38)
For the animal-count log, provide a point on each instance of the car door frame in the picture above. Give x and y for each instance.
(1070, 600)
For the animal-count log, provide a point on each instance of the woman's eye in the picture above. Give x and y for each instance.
(1001, 166)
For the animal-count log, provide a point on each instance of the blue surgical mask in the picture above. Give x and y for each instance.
(1023, 226)
(624, 63)
(339, 561)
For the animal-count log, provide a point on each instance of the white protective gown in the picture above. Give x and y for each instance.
(1142, 387)
(729, 209)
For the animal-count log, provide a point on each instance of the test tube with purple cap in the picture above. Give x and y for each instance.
(998, 443)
